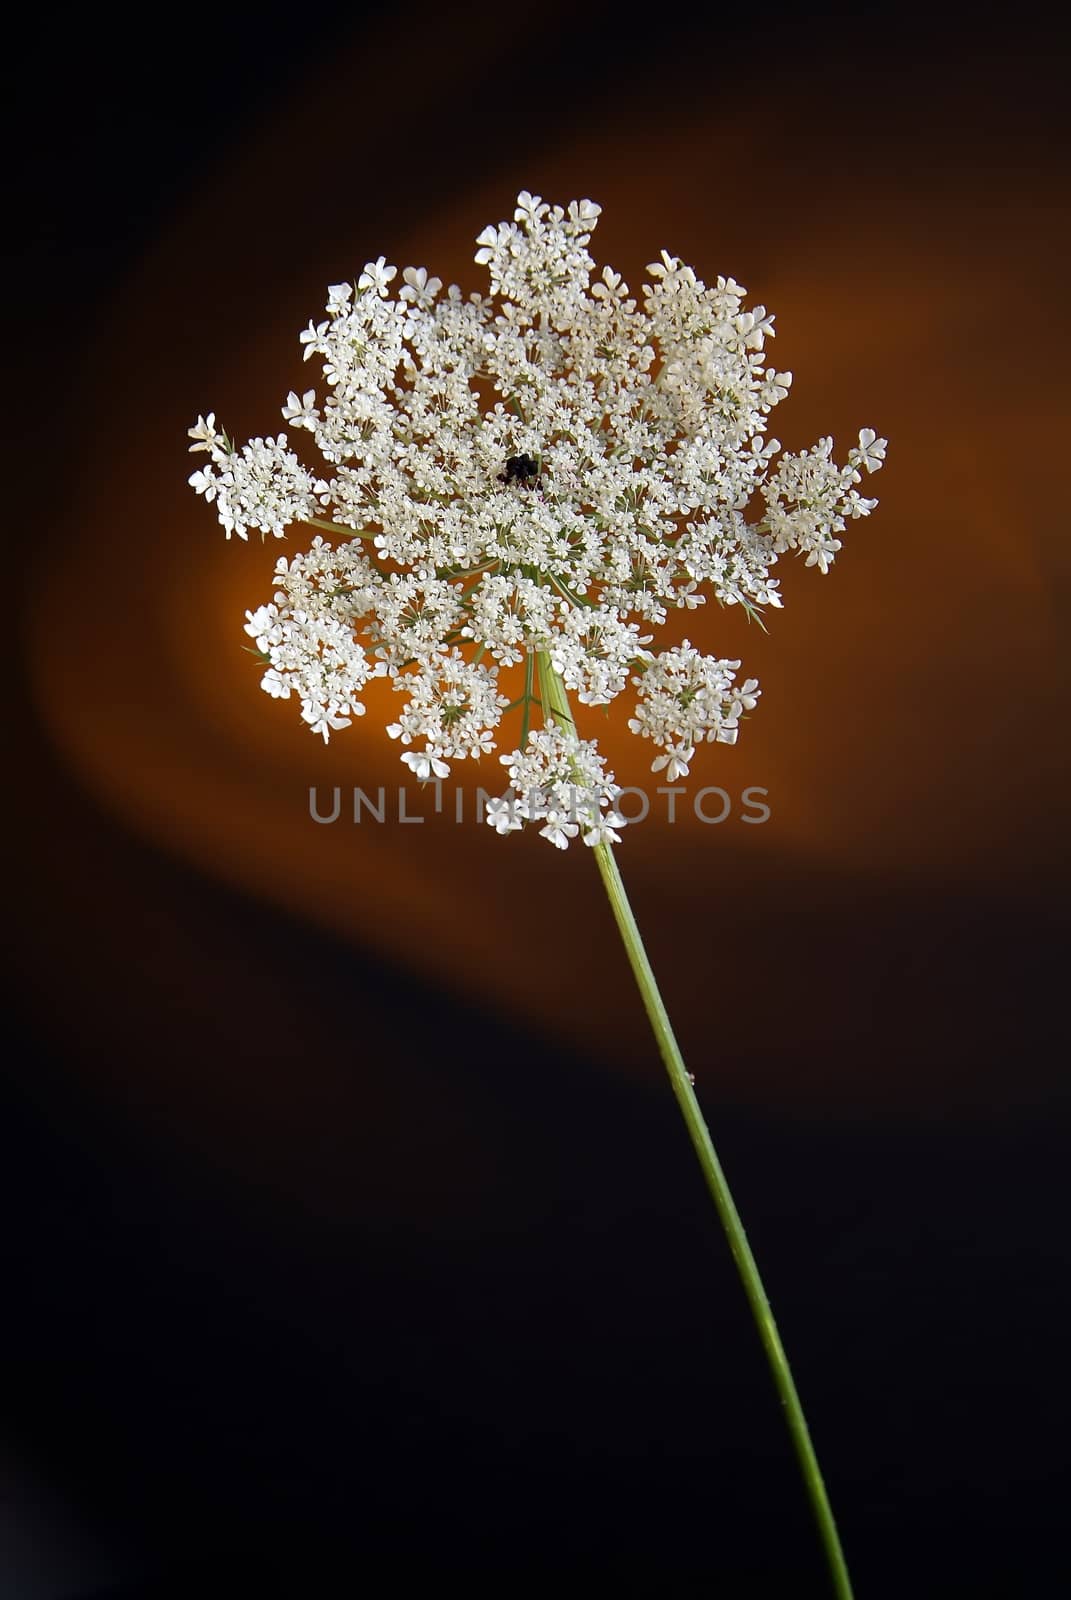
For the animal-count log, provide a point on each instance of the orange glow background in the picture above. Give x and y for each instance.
(910, 729)
(410, 1035)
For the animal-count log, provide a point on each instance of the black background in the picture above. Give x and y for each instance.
(340, 1382)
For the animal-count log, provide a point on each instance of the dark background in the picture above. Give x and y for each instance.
(327, 1268)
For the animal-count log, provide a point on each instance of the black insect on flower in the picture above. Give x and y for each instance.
(521, 470)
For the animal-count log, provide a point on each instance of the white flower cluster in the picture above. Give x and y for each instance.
(686, 697)
(561, 781)
(535, 476)
(306, 636)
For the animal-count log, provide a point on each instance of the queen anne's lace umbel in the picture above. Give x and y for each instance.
(543, 472)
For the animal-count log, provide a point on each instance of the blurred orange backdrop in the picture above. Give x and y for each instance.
(910, 733)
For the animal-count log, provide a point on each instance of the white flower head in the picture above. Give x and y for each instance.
(204, 434)
(377, 275)
(525, 483)
(301, 411)
(426, 765)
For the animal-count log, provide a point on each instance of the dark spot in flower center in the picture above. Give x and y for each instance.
(521, 470)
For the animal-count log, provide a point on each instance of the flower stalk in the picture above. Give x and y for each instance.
(476, 534)
(557, 702)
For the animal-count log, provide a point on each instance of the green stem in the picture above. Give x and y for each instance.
(526, 714)
(334, 527)
(556, 699)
